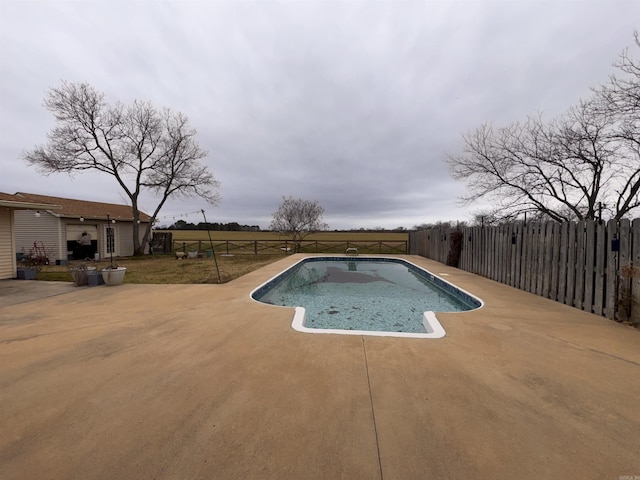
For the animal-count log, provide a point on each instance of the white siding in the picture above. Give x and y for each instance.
(7, 250)
(74, 231)
(141, 235)
(125, 234)
(44, 230)
(54, 232)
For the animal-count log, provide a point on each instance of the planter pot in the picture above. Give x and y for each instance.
(80, 275)
(113, 276)
(27, 273)
(192, 254)
(94, 278)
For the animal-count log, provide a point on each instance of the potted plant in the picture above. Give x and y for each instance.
(113, 274)
(94, 278)
(27, 273)
(30, 267)
(80, 274)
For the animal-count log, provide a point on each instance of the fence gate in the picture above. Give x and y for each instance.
(161, 242)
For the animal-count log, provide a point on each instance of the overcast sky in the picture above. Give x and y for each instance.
(350, 103)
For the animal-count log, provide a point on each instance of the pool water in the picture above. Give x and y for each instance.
(363, 294)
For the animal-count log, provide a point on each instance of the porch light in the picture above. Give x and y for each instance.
(82, 219)
(38, 213)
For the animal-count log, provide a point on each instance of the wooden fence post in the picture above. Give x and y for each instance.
(485, 257)
(532, 259)
(494, 247)
(624, 260)
(571, 265)
(589, 261)
(555, 261)
(579, 291)
(547, 252)
(601, 253)
(611, 276)
(502, 263)
(562, 263)
(516, 256)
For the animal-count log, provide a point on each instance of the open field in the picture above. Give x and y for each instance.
(202, 235)
(237, 253)
(165, 269)
(272, 243)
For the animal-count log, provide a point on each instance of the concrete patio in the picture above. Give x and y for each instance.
(201, 382)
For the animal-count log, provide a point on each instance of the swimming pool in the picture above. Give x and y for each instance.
(364, 296)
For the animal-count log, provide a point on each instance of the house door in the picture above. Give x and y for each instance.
(111, 240)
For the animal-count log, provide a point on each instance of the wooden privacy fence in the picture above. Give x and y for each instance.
(590, 265)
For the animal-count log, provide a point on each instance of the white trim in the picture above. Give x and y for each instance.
(431, 324)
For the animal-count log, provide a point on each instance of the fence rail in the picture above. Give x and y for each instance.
(277, 247)
(590, 265)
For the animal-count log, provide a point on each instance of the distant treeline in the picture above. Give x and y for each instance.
(236, 227)
(216, 227)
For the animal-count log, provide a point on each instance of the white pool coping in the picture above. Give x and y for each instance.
(429, 320)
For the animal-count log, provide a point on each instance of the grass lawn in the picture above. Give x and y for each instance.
(166, 269)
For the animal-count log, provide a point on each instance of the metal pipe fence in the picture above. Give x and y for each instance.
(278, 247)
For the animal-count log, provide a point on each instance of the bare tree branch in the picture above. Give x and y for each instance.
(585, 161)
(298, 218)
(142, 147)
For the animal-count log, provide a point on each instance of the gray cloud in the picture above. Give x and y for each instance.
(353, 104)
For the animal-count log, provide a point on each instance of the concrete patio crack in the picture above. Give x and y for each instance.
(373, 413)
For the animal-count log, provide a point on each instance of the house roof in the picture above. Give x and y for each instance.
(20, 203)
(69, 207)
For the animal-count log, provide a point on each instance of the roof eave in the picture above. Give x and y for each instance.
(28, 205)
(98, 217)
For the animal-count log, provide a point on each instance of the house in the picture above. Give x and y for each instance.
(57, 231)
(9, 204)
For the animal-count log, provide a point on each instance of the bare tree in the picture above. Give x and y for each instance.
(532, 167)
(586, 162)
(143, 148)
(450, 224)
(583, 163)
(298, 218)
(496, 165)
(620, 97)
